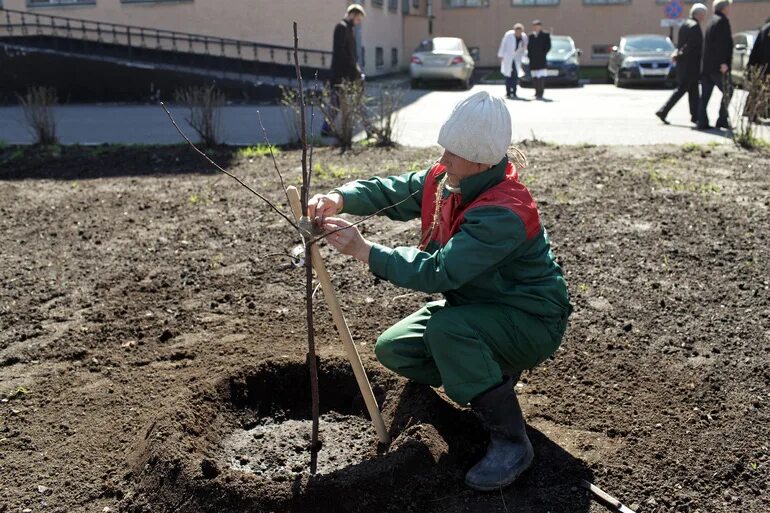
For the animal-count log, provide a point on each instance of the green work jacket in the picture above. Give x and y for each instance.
(489, 246)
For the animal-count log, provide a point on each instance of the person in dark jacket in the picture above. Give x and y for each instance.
(688, 62)
(537, 49)
(759, 59)
(717, 58)
(344, 51)
(760, 52)
(345, 55)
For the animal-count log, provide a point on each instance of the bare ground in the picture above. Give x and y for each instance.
(137, 284)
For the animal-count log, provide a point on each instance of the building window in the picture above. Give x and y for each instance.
(393, 5)
(520, 3)
(405, 6)
(601, 52)
(454, 4)
(605, 2)
(377, 3)
(44, 3)
(379, 58)
(394, 57)
(416, 4)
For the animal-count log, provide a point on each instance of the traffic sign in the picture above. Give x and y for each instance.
(673, 9)
(668, 22)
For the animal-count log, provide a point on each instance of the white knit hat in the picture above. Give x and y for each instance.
(478, 130)
(696, 8)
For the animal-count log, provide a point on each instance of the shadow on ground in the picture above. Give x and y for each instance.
(88, 162)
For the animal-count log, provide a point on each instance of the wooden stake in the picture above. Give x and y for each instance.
(342, 328)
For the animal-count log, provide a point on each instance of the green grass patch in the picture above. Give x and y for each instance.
(668, 181)
(260, 150)
(331, 171)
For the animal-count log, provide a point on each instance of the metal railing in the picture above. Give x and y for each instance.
(133, 43)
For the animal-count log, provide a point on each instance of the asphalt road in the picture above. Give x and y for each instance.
(592, 114)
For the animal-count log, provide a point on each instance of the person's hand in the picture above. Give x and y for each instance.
(322, 206)
(348, 240)
(723, 68)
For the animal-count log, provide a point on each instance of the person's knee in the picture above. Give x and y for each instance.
(442, 326)
(383, 349)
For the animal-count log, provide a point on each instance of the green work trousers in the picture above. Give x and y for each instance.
(467, 348)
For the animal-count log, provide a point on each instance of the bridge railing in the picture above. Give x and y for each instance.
(15, 23)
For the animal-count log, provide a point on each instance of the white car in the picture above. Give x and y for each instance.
(442, 58)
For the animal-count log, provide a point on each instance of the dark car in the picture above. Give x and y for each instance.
(743, 42)
(563, 64)
(642, 59)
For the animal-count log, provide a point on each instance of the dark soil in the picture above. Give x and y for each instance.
(147, 318)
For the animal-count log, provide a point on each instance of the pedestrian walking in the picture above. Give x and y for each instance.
(513, 48)
(717, 60)
(688, 63)
(760, 52)
(537, 49)
(345, 66)
(483, 247)
(760, 60)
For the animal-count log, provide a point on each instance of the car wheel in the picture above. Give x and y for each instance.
(414, 83)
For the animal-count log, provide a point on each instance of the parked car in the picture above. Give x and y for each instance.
(743, 42)
(642, 59)
(442, 58)
(563, 63)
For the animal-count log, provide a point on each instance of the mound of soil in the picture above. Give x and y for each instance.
(151, 326)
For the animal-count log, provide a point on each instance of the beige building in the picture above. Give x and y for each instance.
(382, 36)
(393, 28)
(595, 25)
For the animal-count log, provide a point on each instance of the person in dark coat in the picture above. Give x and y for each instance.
(760, 52)
(688, 63)
(537, 49)
(345, 54)
(717, 58)
(760, 58)
(344, 51)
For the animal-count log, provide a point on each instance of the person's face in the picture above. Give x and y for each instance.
(726, 10)
(536, 28)
(699, 16)
(357, 19)
(517, 31)
(457, 168)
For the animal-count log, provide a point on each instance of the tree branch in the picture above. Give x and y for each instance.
(270, 203)
(275, 164)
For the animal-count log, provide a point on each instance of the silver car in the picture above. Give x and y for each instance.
(743, 42)
(642, 58)
(441, 58)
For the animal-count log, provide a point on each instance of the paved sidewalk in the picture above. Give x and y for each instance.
(593, 114)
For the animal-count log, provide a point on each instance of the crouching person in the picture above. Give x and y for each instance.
(485, 250)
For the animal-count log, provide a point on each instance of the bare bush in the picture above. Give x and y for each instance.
(205, 104)
(383, 115)
(291, 114)
(342, 108)
(37, 104)
(754, 106)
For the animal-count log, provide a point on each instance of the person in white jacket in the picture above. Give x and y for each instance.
(513, 47)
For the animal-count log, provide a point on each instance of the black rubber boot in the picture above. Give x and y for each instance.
(509, 452)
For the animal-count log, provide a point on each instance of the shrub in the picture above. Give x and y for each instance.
(37, 104)
(205, 104)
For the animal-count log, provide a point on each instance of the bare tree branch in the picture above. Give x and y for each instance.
(380, 211)
(270, 203)
(304, 196)
(275, 164)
